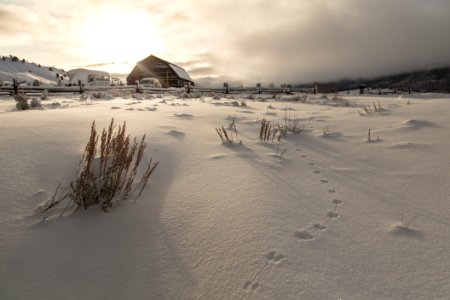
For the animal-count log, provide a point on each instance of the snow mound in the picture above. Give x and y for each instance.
(417, 124)
(407, 145)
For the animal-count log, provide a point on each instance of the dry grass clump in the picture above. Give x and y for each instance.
(285, 126)
(185, 95)
(267, 133)
(370, 139)
(328, 132)
(403, 227)
(232, 125)
(227, 137)
(281, 152)
(84, 96)
(109, 166)
(35, 102)
(222, 132)
(100, 95)
(369, 109)
(291, 124)
(339, 101)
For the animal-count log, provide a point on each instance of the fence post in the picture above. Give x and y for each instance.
(258, 88)
(80, 86)
(288, 89)
(361, 89)
(137, 86)
(15, 86)
(227, 89)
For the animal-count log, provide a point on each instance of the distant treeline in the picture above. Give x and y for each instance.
(436, 80)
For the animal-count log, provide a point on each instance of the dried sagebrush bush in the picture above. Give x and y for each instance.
(22, 101)
(44, 95)
(108, 168)
(35, 102)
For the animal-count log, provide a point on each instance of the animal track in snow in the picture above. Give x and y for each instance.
(337, 201)
(314, 230)
(246, 284)
(252, 285)
(304, 155)
(304, 235)
(319, 226)
(310, 234)
(274, 256)
(332, 214)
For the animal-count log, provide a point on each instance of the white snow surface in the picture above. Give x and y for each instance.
(327, 219)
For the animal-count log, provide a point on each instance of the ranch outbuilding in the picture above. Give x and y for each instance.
(168, 74)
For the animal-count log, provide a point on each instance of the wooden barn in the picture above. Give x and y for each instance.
(169, 75)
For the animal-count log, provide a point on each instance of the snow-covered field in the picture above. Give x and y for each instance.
(325, 214)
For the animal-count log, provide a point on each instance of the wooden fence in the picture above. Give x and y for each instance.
(226, 89)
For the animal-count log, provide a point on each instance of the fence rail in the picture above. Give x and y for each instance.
(10, 90)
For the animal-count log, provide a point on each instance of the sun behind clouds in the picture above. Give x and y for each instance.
(118, 36)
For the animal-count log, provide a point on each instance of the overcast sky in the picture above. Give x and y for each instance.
(247, 40)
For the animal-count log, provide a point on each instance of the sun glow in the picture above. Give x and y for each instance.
(119, 38)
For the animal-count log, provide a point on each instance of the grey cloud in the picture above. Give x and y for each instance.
(326, 40)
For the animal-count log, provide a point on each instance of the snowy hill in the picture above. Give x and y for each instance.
(12, 68)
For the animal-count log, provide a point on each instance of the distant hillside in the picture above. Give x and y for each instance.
(12, 67)
(436, 80)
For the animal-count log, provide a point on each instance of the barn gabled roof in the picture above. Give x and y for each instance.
(180, 72)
